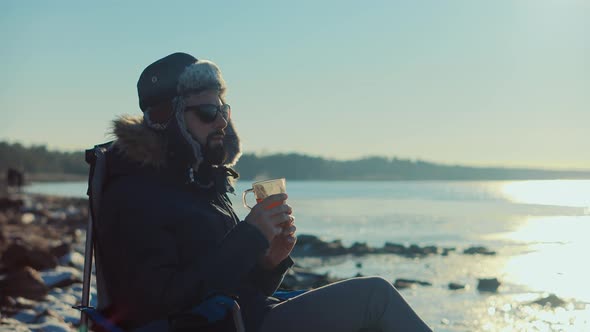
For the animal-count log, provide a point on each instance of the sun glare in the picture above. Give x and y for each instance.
(557, 245)
(574, 193)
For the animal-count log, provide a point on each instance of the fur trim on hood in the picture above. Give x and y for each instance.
(139, 143)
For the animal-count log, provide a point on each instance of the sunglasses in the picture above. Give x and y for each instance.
(208, 112)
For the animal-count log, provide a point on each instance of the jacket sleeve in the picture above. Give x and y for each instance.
(158, 281)
(268, 281)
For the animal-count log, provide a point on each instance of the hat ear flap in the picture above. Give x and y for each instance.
(161, 113)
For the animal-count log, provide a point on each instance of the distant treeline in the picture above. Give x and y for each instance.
(38, 159)
(302, 167)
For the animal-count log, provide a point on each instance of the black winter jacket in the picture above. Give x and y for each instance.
(165, 244)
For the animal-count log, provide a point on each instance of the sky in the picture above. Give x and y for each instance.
(480, 83)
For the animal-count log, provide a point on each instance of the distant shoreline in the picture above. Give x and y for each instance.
(54, 177)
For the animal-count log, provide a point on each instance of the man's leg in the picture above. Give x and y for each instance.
(346, 306)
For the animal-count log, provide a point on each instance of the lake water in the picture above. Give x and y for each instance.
(540, 230)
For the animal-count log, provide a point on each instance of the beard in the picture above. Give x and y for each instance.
(214, 153)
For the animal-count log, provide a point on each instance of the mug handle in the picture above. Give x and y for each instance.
(244, 198)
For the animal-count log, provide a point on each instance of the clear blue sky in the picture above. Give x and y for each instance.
(503, 82)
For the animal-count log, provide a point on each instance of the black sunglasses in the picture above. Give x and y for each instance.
(208, 112)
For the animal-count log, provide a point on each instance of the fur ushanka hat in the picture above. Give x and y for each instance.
(167, 81)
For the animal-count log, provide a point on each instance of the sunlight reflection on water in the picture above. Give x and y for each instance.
(549, 192)
(557, 260)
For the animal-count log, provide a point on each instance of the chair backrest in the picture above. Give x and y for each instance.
(96, 158)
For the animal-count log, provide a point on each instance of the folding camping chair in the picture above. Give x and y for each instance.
(211, 311)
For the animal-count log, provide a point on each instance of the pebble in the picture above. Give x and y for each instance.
(456, 286)
(73, 259)
(27, 218)
(26, 316)
(12, 325)
(51, 325)
(60, 274)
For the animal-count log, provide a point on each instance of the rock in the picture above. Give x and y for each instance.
(446, 251)
(21, 302)
(455, 286)
(27, 218)
(417, 251)
(12, 325)
(360, 248)
(73, 259)
(478, 250)
(306, 239)
(7, 306)
(310, 245)
(552, 300)
(26, 316)
(298, 279)
(57, 215)
(60, 250)
(393, 248)
(11, 306)
(488, 285)
(75, 235)
(67, 299)
(20, 254)
(50, 324)
(62, 276)
(406, 283)
(25, 282)
(3, 218)
(49, 314)
(72, 210)
(412, 251)
(3, 239)
(61, 306)
(7, 301)
(430, 250)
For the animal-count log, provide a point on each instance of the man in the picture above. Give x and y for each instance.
(168, 236)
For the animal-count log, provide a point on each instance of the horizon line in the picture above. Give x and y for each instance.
(260, 154)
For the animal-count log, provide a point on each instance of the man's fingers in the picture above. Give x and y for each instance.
(280, 220)
(277, 230)
(281, 209)
(289, 230)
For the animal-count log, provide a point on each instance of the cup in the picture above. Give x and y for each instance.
(263, 189)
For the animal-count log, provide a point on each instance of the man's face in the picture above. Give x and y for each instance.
(209, 135)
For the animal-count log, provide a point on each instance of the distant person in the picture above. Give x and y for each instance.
(169, 236)
(15, 179)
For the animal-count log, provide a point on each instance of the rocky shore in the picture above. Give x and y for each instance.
(41, 262)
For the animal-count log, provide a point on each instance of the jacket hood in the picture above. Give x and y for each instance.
(141, 144)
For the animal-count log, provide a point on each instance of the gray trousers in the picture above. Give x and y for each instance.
(352, 305)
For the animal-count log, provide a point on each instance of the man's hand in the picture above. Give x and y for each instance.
(281, 246)
(269, 215)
